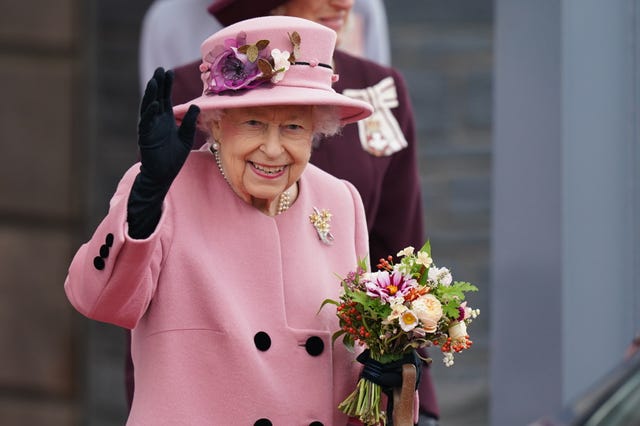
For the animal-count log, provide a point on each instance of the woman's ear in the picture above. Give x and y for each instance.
(216, 129)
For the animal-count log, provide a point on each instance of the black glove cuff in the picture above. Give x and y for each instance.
(144, 206)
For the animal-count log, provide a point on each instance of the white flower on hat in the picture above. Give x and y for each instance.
(280, 64)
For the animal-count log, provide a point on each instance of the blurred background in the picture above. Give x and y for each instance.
(527, 118)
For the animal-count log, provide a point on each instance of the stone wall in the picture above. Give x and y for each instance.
(42, 128)
(445, 52)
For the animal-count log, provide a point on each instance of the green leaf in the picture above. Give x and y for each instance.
(327, 302)
(424, 275)
(426, 247)
(465, 286)
(455, 291)
(364, 263)
(348, 342)
(335, 336)
(451, 309)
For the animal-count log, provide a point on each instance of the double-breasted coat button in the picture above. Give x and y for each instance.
(316, 424)
(262, 341)
(109, 240)
(104, 251)
(98, 263)
(263, 422)
(314, 346)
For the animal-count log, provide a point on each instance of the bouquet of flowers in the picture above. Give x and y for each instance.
(405, 305)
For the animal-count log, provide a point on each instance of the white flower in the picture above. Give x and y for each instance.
(396, 300)
(408, 320)
(407, 251)
(440, 276)
(448, 359)
(423, 258)
(402, 268)
(458, 330)
(397, 309)
(281, 64)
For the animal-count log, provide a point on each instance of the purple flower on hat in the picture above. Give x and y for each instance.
(237, 65)
(228, 68)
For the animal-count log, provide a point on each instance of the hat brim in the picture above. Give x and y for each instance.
(350, 110)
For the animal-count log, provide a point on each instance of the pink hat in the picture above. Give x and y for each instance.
(271, 60)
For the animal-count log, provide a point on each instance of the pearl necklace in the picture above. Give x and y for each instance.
(284, 201)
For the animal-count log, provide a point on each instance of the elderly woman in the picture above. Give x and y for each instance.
(219, 259)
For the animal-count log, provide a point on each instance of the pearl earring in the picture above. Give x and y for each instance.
(215, 145)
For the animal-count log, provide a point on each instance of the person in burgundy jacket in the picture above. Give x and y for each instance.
(377, 155)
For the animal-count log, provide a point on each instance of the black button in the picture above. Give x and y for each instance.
(263, 342)
(104, 251)
(314, 346)
(98, 262)
(316, 424)
(109, 240)
(263, 422)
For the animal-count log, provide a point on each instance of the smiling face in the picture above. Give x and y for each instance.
(330, 13)
(264, 150)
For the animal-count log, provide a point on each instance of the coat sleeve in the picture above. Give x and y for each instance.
(112, 277)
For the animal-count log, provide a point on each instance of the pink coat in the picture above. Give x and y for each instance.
(223, 301)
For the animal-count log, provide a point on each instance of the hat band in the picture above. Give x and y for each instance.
(300, 76)
(314, 64)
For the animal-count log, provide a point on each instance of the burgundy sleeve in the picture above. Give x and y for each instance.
(399, 221)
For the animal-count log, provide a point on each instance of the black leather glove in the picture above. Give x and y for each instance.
(164, 147)
(389, 375)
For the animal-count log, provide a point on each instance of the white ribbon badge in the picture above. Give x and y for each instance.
(380, 133)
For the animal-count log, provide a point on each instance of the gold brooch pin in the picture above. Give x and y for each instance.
(320, 220)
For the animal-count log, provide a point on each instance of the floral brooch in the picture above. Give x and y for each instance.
(238, 65)
(320, 219)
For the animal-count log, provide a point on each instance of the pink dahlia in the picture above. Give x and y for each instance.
(386, 286)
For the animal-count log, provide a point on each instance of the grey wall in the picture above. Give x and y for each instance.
(445, 51)
(565, 200)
